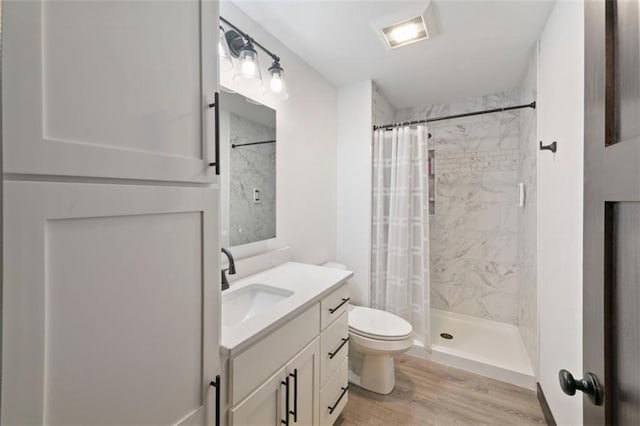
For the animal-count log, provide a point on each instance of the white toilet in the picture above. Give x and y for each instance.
(374, 337)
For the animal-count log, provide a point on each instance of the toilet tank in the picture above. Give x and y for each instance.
(353, 292)
(335, 265)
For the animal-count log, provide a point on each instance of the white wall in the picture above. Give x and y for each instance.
(528, 215)
(560, 214)
(354, 188)
(306, 151)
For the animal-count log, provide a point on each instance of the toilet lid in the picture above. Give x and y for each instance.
(378, 324)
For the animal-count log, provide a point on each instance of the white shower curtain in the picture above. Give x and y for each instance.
(400, 235)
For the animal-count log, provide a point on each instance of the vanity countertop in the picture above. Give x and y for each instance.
(309, 283)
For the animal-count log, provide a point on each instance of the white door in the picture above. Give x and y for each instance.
(265, 406)
(560, 203)
(304, 379)
(110, 304)
(115, 89)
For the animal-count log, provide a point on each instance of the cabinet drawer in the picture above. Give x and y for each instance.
(334, 346)
(334, 395)
(332, 306)
(253, 366)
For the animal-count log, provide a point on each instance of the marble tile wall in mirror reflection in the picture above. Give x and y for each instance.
(249, 189)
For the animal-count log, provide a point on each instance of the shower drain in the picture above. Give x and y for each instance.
(446, 336)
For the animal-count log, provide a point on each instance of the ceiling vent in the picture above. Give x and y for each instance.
(406, 32)
(406, 26)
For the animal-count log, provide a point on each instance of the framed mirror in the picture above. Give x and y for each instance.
(248, 183)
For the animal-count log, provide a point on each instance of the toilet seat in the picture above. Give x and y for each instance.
(366, 345)
(377, 337)
(378, 325)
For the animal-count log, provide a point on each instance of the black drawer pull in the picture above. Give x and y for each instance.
(216, 104)
(344, 390)
(295, 395)
(286, 386)
(334, 353)
(216, 384)
(332, 310)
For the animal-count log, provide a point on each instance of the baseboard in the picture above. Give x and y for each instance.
(548, 415)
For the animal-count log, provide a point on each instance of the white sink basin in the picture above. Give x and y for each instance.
(242, 304)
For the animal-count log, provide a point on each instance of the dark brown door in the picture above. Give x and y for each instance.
(611, 318)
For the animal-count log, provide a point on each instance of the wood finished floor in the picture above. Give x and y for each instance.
(427, 393)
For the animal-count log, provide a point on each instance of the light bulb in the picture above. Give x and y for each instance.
(277, 90)
(248, 69)
(276, 83)
(248, 73)
(404, 33)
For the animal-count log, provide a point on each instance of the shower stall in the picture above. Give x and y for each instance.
(482, 230)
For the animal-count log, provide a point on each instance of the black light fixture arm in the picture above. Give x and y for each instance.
(248, 38)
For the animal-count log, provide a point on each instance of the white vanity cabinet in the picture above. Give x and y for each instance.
(110, 304)
(110, 89)
(111, 278)
(297, 381)
(305, 359)
(264, 406)
(304, 373)
(334, 347)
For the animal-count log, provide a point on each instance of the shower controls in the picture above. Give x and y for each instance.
(520, 194)
(432, 180)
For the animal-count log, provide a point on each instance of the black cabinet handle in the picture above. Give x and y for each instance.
(295, 395)
(332, 310)
(553, 147)
(216, 384)
(286, 404)
(216, 105)
(344, 390)
(334, 353)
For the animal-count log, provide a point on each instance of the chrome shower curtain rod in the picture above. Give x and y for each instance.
(449, 117)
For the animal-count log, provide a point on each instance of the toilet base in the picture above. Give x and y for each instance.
(378, 374)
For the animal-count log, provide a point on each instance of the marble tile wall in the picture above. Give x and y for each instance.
(382, 111)
(527, 218)
(251, 167)
(474, 233)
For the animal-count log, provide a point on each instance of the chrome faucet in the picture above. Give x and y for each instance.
(231, 269)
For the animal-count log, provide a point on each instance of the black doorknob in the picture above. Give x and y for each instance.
(589, 385)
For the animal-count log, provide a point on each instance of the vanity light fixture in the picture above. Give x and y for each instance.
(224, 55)
(405, 32)
(277, 86)
(248, 72)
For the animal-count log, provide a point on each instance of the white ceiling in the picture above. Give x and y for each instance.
(481, 47)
